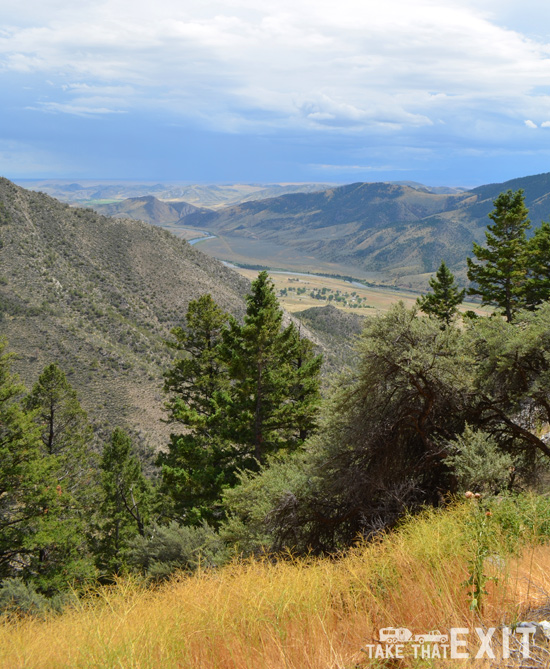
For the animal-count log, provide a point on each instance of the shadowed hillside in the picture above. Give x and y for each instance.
(336, 329)
(99, 296)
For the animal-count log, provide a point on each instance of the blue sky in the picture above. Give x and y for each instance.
(446, 92)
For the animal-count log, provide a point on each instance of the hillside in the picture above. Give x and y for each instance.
(99, 296)
(149, 209)
(394, 230)
(336, 329)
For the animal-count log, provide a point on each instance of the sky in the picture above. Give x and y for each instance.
(221, 91)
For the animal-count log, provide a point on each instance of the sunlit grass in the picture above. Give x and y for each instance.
(299, 614)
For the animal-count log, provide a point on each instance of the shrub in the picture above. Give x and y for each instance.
(478, 462)
(20, 598)
(167, 548)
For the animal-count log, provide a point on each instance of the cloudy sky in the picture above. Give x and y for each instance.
(436, 91)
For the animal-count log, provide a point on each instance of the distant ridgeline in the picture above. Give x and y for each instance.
(376, 227)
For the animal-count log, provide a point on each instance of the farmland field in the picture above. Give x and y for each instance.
(298, 291)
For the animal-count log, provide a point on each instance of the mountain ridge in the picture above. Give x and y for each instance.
(384, 228)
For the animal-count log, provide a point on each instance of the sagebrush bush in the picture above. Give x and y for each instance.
(166, 549)
(20, 598)
(478, 462)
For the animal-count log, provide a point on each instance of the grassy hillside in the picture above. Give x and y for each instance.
(316, 614)
(99, 296)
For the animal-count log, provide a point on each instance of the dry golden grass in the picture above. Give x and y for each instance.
(295, 614)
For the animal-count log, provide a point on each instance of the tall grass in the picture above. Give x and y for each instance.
(307, 613)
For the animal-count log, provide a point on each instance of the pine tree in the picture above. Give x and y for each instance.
(67, 438)
(197, 378)
(66, 433)
(445, 298)
(270, 400)
(126, 499)
(538, 283)
(25, 482)
(501, 274)
(199, 463)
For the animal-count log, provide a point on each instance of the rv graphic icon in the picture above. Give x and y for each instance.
(403, 635)
(394, 635)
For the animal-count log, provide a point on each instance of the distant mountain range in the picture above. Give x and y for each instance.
(89, 192)
(396, 230)
(394, 233)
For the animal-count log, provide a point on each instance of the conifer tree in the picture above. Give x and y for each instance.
(25, 482)
(125, 502)
(66, 444)
(199, 463)
(197, 378)
(66, 433)
(266, 409)
(538, 283)
(500, 276)
(445, 298)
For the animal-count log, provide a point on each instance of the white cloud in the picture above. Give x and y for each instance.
(545, 124)
(251, 65)
(75, 109)
(530, 124)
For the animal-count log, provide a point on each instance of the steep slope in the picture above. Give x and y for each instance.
(99, 296)
(377, 227)
(336, 330)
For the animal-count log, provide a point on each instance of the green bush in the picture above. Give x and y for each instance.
(20, 598)
(167, 548)
(478, 462)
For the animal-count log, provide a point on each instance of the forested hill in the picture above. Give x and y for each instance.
(99, 296)
(379, 227)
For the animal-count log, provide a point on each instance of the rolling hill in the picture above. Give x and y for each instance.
(149, 209)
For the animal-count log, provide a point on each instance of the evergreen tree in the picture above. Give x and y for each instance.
(25, 482)
(197, 378)
(66, 433)
(270, 401)
(538, 283)
(445, 298)
(501, 274)
(199, 463)
(40, 534)
(67, 438)
(126, 500)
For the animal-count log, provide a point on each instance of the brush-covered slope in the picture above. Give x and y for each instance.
(336, 330)
(378, 227)
(99, 296)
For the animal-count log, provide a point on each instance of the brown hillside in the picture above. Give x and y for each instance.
(99, 296)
